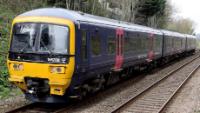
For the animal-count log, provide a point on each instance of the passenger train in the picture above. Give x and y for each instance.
(56, 54)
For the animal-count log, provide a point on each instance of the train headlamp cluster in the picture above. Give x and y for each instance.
(17, 67)
(57, 69)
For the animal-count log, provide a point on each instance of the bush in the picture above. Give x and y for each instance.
(8, 10)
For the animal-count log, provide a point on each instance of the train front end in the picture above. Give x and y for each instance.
(41, 56)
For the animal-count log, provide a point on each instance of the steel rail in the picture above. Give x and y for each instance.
(32, 105)
(22, 108)
(181, 86)
(38, 108)
(120, 107)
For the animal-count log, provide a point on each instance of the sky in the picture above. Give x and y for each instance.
(188, 9)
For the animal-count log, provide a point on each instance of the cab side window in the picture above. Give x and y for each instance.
(84, 44)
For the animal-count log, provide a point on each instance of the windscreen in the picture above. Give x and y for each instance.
(40, 38)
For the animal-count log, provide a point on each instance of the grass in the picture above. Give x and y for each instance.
(9, 92)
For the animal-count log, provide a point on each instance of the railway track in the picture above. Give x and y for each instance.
(38, 108)
(106, 101)
(155, 98)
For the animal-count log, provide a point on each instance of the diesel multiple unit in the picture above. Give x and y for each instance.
(56, 53)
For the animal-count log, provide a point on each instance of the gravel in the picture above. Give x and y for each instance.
(156, 97)
(12, 103)
(188, 99)
(110, 99)
(106, 100)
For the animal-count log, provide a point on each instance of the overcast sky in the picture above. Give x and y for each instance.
(188, 9)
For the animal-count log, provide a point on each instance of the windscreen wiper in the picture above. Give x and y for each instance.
(22, 50)
(49, 51)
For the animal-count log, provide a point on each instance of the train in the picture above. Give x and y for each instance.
(57, 54)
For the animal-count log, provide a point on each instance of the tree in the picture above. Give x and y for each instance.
(184, 25)
(150, 11)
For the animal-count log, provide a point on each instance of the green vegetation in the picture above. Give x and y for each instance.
(6, 92)
(8, 10)
(181, 25)
(153, 13)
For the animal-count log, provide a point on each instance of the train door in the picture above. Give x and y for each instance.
(84, 47)
(119, 49)
(150, 55)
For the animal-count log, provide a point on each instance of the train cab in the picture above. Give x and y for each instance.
(42, 56)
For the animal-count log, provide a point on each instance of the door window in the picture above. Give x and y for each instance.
(111, 45)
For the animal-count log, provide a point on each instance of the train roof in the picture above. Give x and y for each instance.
(76, 16)
(190, 36)
(172, 33)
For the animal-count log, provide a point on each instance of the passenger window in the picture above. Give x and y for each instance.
(144, 39)
(131, 43)
(96, 45)
(111, 45)
(138, 40)
(84, 44)
(157, 43)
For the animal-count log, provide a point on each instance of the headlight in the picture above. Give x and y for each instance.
(17, 67)
(57, 70)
